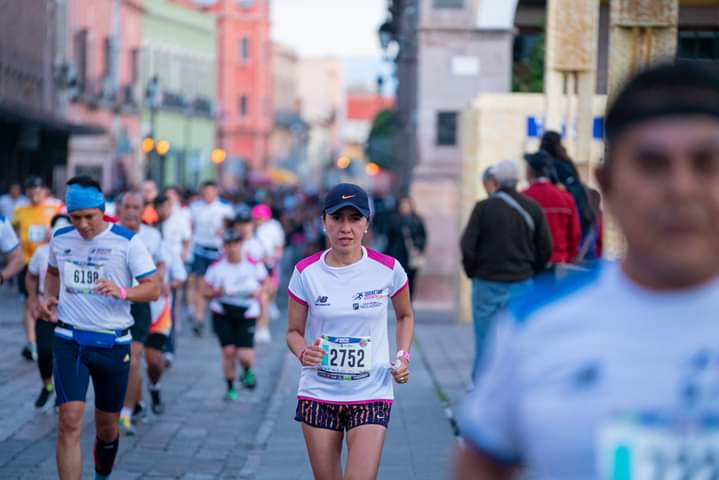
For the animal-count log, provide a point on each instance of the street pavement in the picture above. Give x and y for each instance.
(201, 436)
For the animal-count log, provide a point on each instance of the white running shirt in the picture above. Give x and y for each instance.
(252, 250)
(271, 236)
(116, 254)
(38, 266)
(348, 308)
(239, 281)
(8, 237)
(588, 379)
(208, 221)
(176, 230)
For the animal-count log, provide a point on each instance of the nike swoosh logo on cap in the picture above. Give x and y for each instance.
(347, 197)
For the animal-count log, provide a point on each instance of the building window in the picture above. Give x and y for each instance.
(528, 61)
(79, 47)
(698, 45)
(244, 49)
(244, 106)
(448, 3)
(134, 66)
(446, 128)
(107, 57)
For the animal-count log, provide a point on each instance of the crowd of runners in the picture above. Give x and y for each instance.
(608, 373)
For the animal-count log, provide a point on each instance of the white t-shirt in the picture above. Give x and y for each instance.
(9, 204)
(589, 376)
(38, 265)
(348, 308)
(208, 220)
(176, 230)
(240, 280)
(271, 236)
(253, 250)
(116, 254)
(8, 237)
(152, 239)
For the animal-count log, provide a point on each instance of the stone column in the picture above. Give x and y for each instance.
(570, 69)
(642, 32)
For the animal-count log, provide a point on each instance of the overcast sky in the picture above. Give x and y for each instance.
(338, 28)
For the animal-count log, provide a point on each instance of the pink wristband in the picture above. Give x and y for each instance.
(123, 293)
(301, 356)
(403, 354)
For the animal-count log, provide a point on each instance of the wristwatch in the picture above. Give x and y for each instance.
(403, 354)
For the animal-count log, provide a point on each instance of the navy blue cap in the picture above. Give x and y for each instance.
(542, 164)
(347, 195)
(231, 236)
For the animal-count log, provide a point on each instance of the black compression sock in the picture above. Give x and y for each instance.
(230, 383)
(105, 453)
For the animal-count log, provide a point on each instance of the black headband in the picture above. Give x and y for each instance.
(647, 105)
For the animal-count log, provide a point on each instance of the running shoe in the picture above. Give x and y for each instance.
(126, 427)
(274, 312)
(262, 335)
(231, 395)
(158, 408)
(249, 380)
(169, 358)
(197, 329)
(44, 396)
(139, 413)
(27, 353)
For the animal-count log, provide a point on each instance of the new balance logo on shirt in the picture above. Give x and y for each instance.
(322, 301)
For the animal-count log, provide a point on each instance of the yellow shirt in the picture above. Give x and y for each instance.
(33, 225)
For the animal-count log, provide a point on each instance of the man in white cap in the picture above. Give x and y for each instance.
(505, 244)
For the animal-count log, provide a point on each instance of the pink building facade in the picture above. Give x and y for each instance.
(244, 74)
(101, 55)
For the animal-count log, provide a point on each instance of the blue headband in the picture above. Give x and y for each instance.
(79, 198)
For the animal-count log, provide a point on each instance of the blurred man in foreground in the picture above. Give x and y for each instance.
(614, 374)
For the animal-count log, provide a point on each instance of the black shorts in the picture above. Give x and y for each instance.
(108, 367)
(232, 328)
(142, 316)
(21, 282)
(200, 262)
(156, 341)
(341, 417)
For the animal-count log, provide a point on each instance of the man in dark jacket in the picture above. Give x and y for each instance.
(505, 244)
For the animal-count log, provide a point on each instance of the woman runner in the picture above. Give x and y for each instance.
(235, 284)
(339, 300)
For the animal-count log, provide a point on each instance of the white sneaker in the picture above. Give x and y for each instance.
(274, 312)
(262, 335)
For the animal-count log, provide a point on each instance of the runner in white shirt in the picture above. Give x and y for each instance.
(44, 330)
(339, 301)
(130, 206)
(91, 268)
(175, 226)
(271, 236)
(615, 374)
(208, 219)
(9, 247)
(234, 284)
(252, 249)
